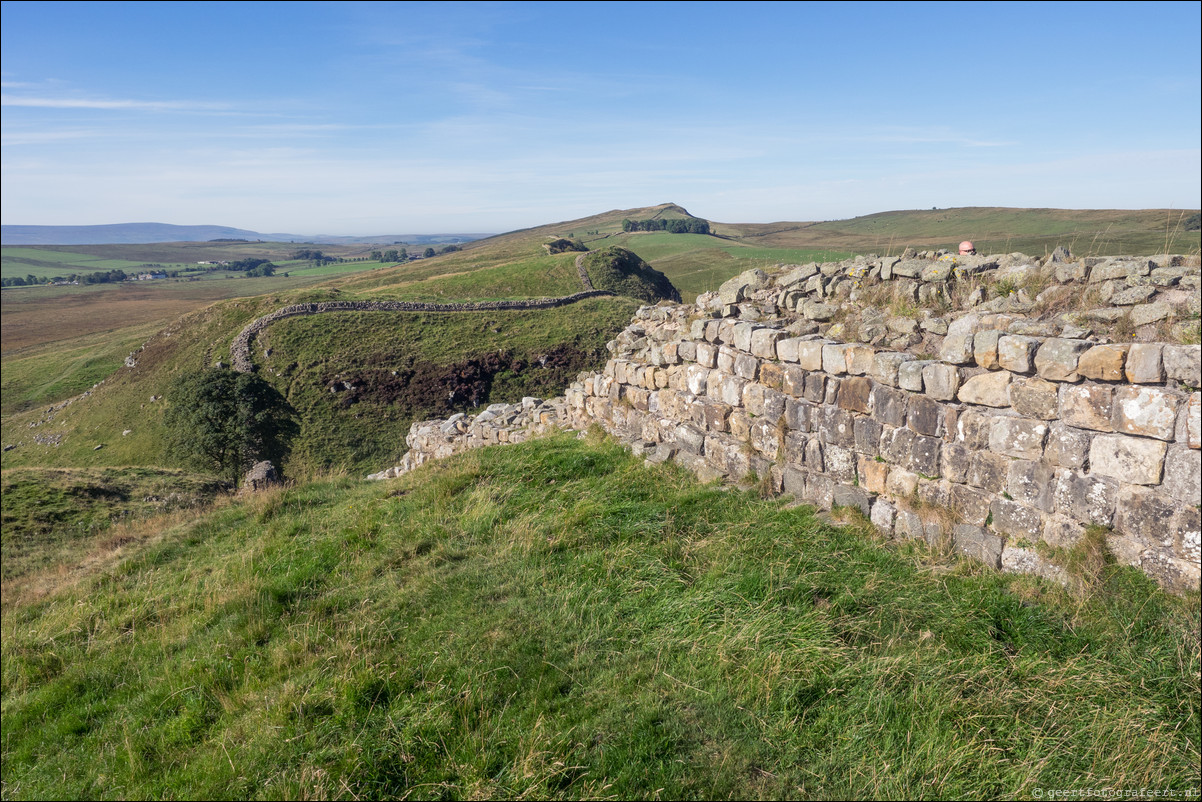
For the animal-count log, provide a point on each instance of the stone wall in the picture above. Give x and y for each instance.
(1014, 427)
(240, 348)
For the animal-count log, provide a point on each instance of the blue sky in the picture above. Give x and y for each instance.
(361, 118)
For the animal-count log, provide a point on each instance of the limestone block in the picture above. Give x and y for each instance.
(1035, 398)
(851, 496)
(896, 444)
(924, 456)
(867, 435)
(1016, 353)
(814, 458)
(1030, 483)
(1104, 362)
(820, 490)
(885, 365)
(809, 354)
(797, 275)
(741, 286)
(739, 422)
(1018, 437)
(1183, 473)
(837, 426)
(794, 482)
(979, 544)
(972, 428)
(936, 492)
(1132, 295)
(954, 460)
(1134, 460)
(925, 416)
(772, 374)
(1061, 532)
(970, 504)
(1067, 447)
(908, 525)
(882, 515)
(1184, 363)
(793, 380)
(753, 398)
(1146, 411)
(1016, 520)
(725, 388)
(1084, 497)
(984, 349)
(772, 406)
(1016, 560)
(957, 349)
(786, 349)
(746, 366)
(1146, 514)
(766, 439)
(819, 312)
(941, 381)
(1057, 359)
(988, 389)
(726, 358)
(873, 475)
(855, 394)
(1144, 365)
(858, 359)
(889, 406)
(832, 391)
(800, 415)
(901, 483)
(764, 341)
(815, 389)
(690, 438)
(840, 463)
(1088, 406)
(707, 355)
(1187, 523)
(1143, 314)
(716, 416)
(909, 374)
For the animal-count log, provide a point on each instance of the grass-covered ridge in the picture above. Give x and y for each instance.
(554, 620)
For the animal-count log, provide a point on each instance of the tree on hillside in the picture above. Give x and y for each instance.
(428, 252)
(226, 421)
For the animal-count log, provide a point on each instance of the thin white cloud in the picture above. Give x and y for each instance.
(103, 103)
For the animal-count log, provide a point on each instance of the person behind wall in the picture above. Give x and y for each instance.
(967, 248)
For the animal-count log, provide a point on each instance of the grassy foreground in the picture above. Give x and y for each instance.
(554, 620)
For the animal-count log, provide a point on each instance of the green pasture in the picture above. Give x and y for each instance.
(556, 621)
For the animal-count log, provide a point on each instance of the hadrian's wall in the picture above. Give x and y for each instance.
(1016, 415)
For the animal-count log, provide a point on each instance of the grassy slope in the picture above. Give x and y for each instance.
(554, 620)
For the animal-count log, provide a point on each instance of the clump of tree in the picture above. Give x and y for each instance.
(428, 252)
(450, 249)
(563, 245)
(100, 277)
(391, 255)
(626, 273)
(315, 256)
(225, 421)
(678, 225)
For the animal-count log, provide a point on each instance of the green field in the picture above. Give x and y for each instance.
(556, 621)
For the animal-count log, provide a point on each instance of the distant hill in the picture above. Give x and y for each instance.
(139, 233)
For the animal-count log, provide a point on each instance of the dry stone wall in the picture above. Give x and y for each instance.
(993, 427)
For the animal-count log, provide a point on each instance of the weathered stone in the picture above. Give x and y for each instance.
(839, 462)
(1146, 514)
(809, 354)
(766, 438)
(1184, 364)
(925, 416)
(1035, 398)
(1061, 532)
(746, 366)
(690, 438)
(896, 444)
(882, 515)
(1183, 473)
(707, 355)
(764, 342)
(941, 381)
(1030, 483)
(1088, 406)
(1018, 437)
(889, 406)
(1016, 520)
(954, 460)
(741, 286)
(988, 389)
(1132, 295)
(850, 496)
(979, 544)
(867, 435)
(815, 388)
(1057, 359)
(1134, 460)
(772, 374)
(1017, 353)
(885, 365)
(957, 349)
(970, 504)
(1017, 560)
(1143, 314)
(909, 374)
(855, 394)
(799, 415)
(834, 360)
(836, 426)
(924, 456)
(1066, 447)
(1146, 411)
(772, 406)
(972, 429)
(984, 349)
(1144, 365)
(1187, 523)
(820, 312)
(1104, 362)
